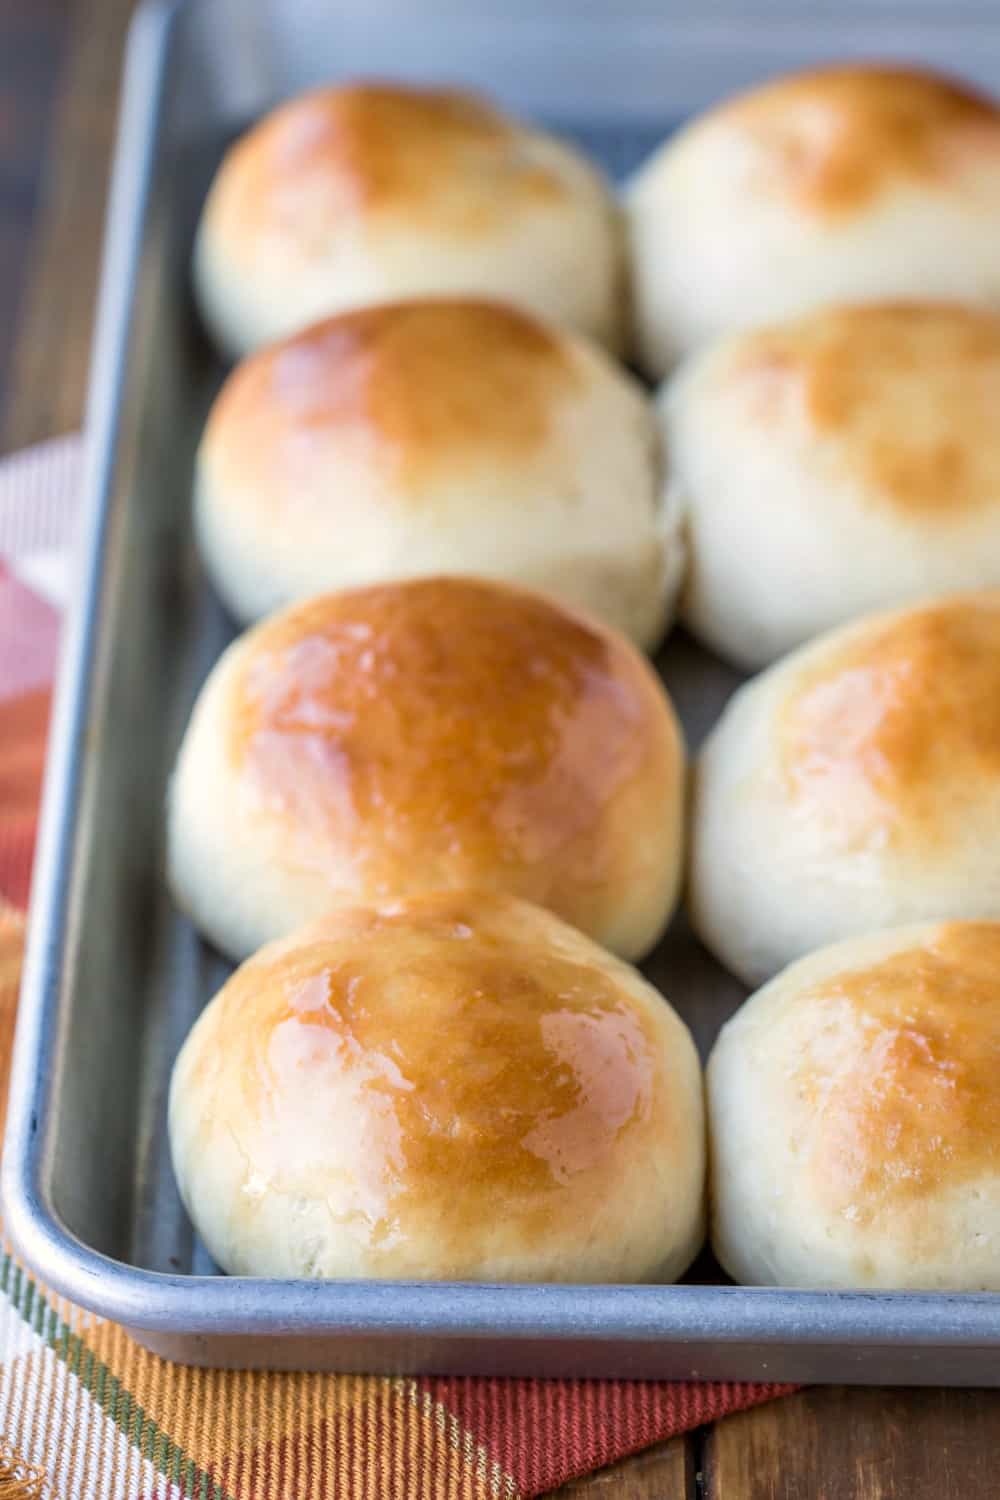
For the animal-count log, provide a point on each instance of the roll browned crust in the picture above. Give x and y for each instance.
(841, 462)
(854, 786)
(430, 436)
(429, 735)
(457, 1087)
(855, 1117)
(366, 192)
(847, 183)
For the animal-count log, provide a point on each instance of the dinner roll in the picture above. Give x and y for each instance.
(854, 786)
(365, 192)
(432, 437)
(429, 735)
(854, 1108)
(455, 1087)
(841, 463)
(845, 184)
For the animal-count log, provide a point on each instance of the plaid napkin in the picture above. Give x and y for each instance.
(84, 1411)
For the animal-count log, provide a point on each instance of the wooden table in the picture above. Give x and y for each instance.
(59, 64)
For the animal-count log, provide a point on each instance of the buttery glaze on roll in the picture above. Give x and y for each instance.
(854, 1109)
(854, 786)
(367, 192)
(847, 184)
(428, 735)
(843, 462)
(457, 1087)
(437, 436)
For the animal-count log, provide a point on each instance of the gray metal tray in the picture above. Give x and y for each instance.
(114, 977)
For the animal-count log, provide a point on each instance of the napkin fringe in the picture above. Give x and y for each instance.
(20, 1480)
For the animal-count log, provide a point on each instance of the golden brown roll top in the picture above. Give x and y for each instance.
(855, 1114)
(892, 735)
(362, 192)
(436, 435)
(842, 462)
(423, 382)
(832, 139)
(421, 736)
(849, 183)
(909, 390)
(387, 148)
(926, 1022)
(459, 1086)
(855, 785)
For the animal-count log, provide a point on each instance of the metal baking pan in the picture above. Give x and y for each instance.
(114, 977)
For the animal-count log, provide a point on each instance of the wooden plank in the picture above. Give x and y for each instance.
(836, 1443)
(49, 364)
(666, 1472)
(32, 39)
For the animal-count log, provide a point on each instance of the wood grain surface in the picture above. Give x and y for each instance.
(666, 1472)
(835, 1443)
(32, 47)
(824, 1444)
(48, 367)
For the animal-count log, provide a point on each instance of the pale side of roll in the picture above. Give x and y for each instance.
(844, 462)
(435, 734)
(437, 436)
(854, 1114)
(368, 192)
(853, 786)
(458, 1087)
(845, 184)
